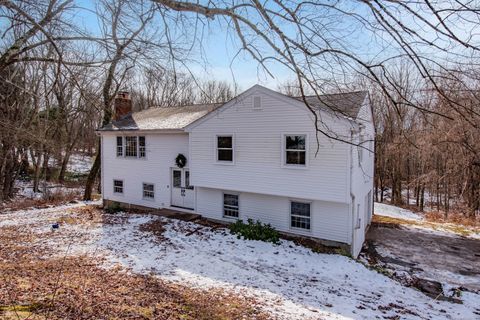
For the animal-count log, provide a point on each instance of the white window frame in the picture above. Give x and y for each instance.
(238, 206)
(122, 146)
(123, 187)
(284, 151)
(143, 191)
(233, 149)
(294, 215)
(139, 150)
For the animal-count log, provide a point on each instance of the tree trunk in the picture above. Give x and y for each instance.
(63, 169)
(92, 176)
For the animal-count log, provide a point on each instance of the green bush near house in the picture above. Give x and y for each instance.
(255, 231)
(113, 207)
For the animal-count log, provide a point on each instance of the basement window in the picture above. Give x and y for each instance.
(148, 191)
(300, 215)
(230, 205)
(118, 186)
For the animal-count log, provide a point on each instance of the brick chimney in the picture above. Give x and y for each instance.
(122, 104)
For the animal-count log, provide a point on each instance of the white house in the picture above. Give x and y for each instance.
(258, 156)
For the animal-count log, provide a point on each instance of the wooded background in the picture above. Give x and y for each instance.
(59, 78)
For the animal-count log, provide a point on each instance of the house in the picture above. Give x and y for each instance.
(257, 156)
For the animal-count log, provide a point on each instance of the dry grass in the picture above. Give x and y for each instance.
(453, 217)
(443, 226)
(37, 284)
(52, 199)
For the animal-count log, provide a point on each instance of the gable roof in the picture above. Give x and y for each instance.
(161, 118)
(178, 118)
(347, 103)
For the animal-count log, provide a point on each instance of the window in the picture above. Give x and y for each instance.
(295, 149)
(119, 146)
(177, 178)
(131, 147)
(117, 186)
(300, 215)
(148, 191)
(141, 147)
(225, 148)
(187, 180)
(230, 205)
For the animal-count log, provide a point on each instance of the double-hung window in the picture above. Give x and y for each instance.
(131, 147)
(230, 205)
(120, 146)
(300, 215)
(141, 147)
(295, 149)
(225, 148)
(118, 186)
(148, 191)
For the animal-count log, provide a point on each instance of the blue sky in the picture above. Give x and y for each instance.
(220, 47)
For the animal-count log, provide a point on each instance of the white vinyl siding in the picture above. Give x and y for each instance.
(155, 168)
(259, 152)
(328, 220)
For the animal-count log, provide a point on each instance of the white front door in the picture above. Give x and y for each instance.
(183, 194)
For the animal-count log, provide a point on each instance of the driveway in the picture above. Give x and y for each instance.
(450, 259)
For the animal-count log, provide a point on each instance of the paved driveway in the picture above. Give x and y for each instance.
(435, 255)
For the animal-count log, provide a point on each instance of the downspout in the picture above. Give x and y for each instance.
(352, 195)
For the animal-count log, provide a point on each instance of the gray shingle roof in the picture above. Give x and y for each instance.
(348, 103)
(162, 118)
(177, 118)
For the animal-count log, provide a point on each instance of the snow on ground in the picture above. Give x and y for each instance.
(79, 163)
(387, 210)
(292, 281)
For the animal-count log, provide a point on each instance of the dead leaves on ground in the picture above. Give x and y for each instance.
(35, 283)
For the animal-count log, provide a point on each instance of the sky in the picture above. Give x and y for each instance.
(222, 62)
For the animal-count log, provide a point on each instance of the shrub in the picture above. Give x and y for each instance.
(255, 231)
(113, 207)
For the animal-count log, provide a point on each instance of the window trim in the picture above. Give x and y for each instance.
(117, 146)
(223, 205)
(290, 215)
(222, 162)
(284, 151)
(123, 187)
(124, 146)
(143, 191)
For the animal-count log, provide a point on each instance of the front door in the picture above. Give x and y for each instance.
(183, 194)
